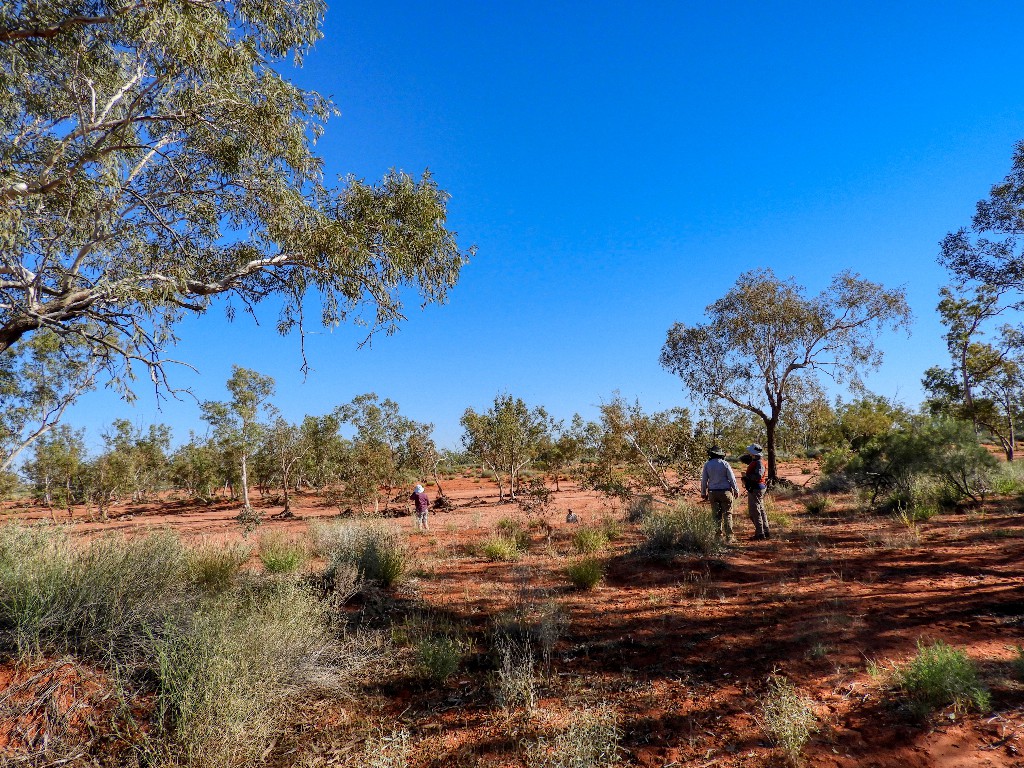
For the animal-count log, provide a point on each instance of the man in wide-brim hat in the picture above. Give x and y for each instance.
(718, 485)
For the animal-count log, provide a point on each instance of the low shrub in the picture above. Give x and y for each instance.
(683, 530)
(586, 541)
(438, 658)
(281, 553)
(215, 565)
(589, 740)
(818, 504)
(224, 677)
(940, 676)
(585, 573)
(376, 551)
(611, 527)
(500, 548)
(1017, 665)
(639, 508)
(786, 717)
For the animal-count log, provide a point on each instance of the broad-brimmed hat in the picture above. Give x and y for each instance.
(716, 452)
(754, 449)
(418, 489)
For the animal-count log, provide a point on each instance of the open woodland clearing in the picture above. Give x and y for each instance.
(679, 649)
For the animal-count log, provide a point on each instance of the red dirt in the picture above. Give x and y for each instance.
(682, 649)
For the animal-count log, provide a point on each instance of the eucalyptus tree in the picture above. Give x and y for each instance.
(506, 438)
(765, 334)
(153, 156)
(984, 383)
(386, 447)
(640, 453)
(55, 465)
(38, 381)
(990, 252)
(237, 422)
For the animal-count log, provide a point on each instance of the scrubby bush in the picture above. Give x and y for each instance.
(940, 676)
(220, 658)
(499, 548)
(587, 540)
(639, 508)
(611, 527)
(514, 681)
(585, 573)
(896, 466)
(281, 553)
(215, 566)
(786, 717)
(683, 530)
(818, 504)
(224, 677)
(104, 598)
(376, 551)
(438, 658)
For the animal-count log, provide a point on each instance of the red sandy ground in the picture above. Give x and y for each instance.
(681, 650)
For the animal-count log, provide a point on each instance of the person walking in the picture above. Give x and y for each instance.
(755, 481)
(419, 498)
(718, 484)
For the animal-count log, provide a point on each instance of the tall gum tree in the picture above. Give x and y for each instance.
(765, 335)
(152, 157)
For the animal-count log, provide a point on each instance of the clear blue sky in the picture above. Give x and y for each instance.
(618, 165)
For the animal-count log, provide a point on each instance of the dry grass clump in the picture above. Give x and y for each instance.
(216, 565)
(683, 530)
(376, 551)
(514, 681)
(589, 740)
(587, 541)
(221, 654)
(786, 717)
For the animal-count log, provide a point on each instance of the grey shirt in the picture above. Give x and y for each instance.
(717, 476)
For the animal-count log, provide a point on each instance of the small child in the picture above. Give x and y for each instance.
(419, 498)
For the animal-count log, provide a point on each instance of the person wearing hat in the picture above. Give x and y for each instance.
(419, 498)
(755, 480)
(718, 484)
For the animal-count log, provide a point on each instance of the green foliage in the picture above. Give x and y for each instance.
(506, 437)
(438, 658)
(282, 553)
(1017, 665)
(156, 156)
(818, 504)
(499, 548)
(765, 340)
(590, 739)
(587, 540)
(611, 527)
(215, 566)
(683, 530)
(940, 676)
(635, 453)
(585, 573)
(377, 552)
(786, 716)
(947, 451)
